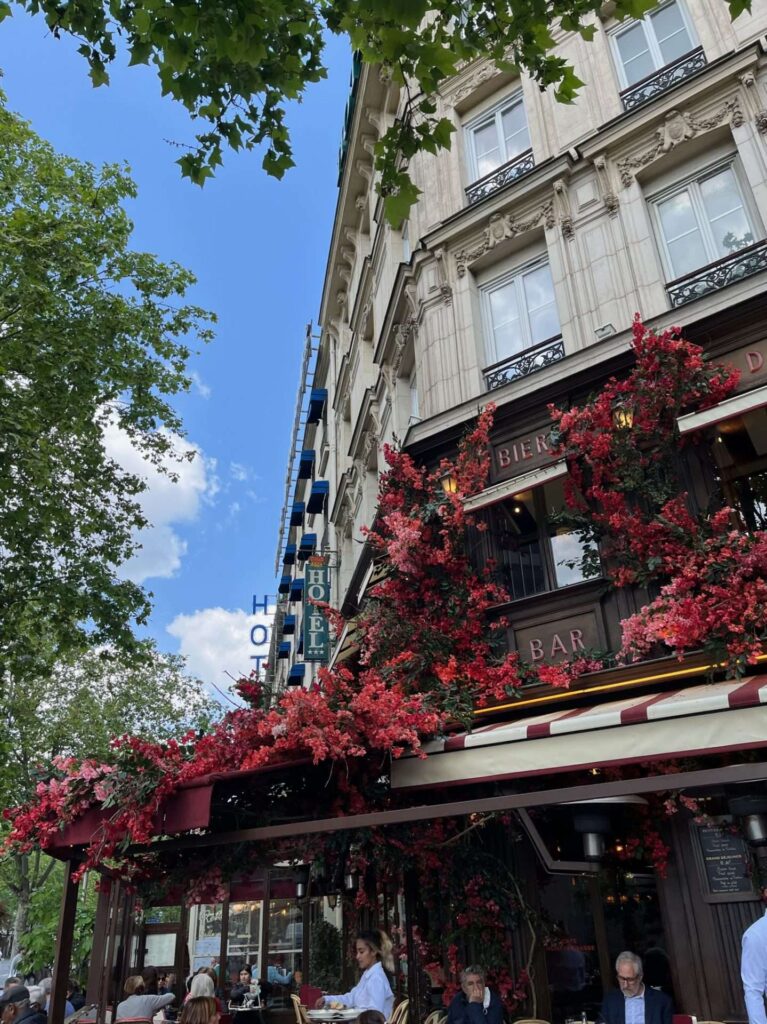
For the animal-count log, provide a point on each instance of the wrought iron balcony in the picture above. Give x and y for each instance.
(532, 359)
(743, 263)
(497, 179)
(658, 82)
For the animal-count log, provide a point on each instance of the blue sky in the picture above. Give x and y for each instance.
(258, 248)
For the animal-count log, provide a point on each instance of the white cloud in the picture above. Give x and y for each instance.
(239, 472)
(200, 387)
(165, 502)
(217, 642)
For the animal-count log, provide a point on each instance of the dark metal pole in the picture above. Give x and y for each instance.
(93, 992)
(64, 942)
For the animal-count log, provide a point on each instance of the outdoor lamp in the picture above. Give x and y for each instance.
(449, 483)
(332, 899)
(302, 881)
(623, 417)
(593, 826)
(751, 808)
(351, 881)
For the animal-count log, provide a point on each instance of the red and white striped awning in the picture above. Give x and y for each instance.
(697, 720)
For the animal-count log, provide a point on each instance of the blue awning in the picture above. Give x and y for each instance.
(297, 590)
(318, 496)
(307, 546)
(296, 675)
(283, 651)
(289, 558)
(297, 513)
(306, 464)
(317, 399)
(284, 584)
(289, 625)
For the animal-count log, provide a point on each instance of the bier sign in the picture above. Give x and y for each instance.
(316, 588)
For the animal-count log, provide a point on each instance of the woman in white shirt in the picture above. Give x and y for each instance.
(373, 953)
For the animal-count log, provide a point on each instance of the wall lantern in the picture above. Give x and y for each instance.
(332, 899)
(623, 417)
(593, 826)
(449, 484)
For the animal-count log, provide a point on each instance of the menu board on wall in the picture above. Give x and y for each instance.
(726, 863)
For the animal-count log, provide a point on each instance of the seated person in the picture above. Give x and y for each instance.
(634, 1002)
(140, 1003)
(241, 988)
(277, 975)
(371, 1017)
(203, 987)
(475, 1003)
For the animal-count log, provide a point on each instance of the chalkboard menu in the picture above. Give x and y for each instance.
(726, 863)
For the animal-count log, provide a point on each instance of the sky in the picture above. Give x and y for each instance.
(258, 248)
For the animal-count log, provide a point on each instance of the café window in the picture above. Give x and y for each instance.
(660, 38)
(703, 219)
(740, 453)
(497, 137)
(530, 550)
(520, 311)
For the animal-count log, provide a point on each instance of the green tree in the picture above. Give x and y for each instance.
(91, 334)
(76, 709)
(234, 65)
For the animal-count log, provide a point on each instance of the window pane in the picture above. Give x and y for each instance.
(541, 307)
(634, 54)
(726, 215)
(516, 546)
(682, 235)
(567, 549)
(487, 149)
(670, 32)
(515, 131)
(504, 313)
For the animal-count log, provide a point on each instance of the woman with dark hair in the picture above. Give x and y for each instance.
(373, 953)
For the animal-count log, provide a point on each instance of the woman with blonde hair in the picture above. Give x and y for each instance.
(373, 953)
(199, 1010)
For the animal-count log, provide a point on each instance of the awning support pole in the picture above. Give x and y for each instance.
(64, 943)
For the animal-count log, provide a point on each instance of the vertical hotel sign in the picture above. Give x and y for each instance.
(316, 588)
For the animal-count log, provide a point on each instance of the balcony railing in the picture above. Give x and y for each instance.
(728, 270)
(497, 179)
(533, 359)
(658, 82)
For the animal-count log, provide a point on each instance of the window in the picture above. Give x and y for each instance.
(531, 552)
(740, 455)
(520, 311)
(406, 242)
(496, 138)
(703, 220)
(646, 46)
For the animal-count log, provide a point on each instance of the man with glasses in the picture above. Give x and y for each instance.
(634, 1002)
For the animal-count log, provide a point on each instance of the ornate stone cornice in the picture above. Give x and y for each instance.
(500, 227)
(679, 126)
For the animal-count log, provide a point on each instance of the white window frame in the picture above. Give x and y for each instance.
(514, 275)
(483, 119)
(652, 43)
(690, 180)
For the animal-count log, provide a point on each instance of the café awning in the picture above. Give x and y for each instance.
(707, 719)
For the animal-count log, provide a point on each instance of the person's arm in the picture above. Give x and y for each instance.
(345, 998)
(160, 1001)
(666, 1009)
(753, 973)
(475, 1013)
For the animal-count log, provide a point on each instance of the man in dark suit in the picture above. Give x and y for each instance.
(634, 1002)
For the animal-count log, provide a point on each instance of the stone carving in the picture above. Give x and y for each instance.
(341, 299)
(361, 201)
(375, 117)
(368, 144)
(562, 201)
(678, 127)
(402, 334)
(364, 317)
(609, 197)
(384, 74)
(500, 227)
(747, 79)
(761, 121)
(442, 282)
(347, 254)
(364, 169)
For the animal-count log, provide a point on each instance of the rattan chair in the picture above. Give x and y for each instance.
(532, 1020)
(299, 1010)
(436, 1017)
(399, 1013)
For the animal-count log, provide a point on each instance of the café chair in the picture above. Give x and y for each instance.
(683, 1018)
(299, 1010)
(436, 1017)
(531, 1020)
(399, 1013)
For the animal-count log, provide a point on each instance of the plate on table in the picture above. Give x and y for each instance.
(346, 1013)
